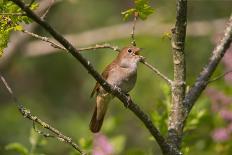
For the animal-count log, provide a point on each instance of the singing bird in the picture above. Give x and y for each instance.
(122, 72)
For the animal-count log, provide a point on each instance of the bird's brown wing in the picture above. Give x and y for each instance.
(104, 74)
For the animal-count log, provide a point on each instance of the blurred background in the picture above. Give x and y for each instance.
(55, 87)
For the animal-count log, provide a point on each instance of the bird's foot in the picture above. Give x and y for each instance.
(128, 101)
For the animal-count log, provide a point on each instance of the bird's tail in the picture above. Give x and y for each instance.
(99, 114)
(95, 123)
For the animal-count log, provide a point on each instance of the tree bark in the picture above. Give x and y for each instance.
(175, 127)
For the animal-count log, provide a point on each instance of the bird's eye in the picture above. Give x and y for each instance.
(129, 50)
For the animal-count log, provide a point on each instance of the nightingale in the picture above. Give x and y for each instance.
(121, 72)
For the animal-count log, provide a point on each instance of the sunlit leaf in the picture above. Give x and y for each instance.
(142, 7)
(18, 148)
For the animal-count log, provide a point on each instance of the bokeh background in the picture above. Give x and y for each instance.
(55, 87)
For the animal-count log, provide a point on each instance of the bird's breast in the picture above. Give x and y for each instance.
(124, 78)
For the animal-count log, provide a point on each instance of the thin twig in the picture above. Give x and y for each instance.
(45, 39)
(165, 147)
(48, 9)
(27, 114)
(136, 14)
(99, 46)
(165, 78)
(55, 45)
(41, 132)
(12, 14)
(219, 77)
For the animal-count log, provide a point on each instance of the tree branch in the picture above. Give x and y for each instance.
(165, 147)
(202, 80)
(175, 128)
(27, 114)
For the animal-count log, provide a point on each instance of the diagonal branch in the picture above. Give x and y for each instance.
(165, 147)
(202, 80)
(27, 114)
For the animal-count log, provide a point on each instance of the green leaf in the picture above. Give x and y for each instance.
(18, 148)
(142, 7)
(127, 13)
(3, 41)
(18, 28)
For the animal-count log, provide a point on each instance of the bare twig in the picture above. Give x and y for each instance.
(55, 45)
(45, 39)
(27, 114)
(165, 78)
(136, 14)
(165, 147)
(219, 77)
(41, 132)
(48, 9)
(12, 14)
(100, 46)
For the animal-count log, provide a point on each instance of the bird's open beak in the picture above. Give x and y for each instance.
(137, 50)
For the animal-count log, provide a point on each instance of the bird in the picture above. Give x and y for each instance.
(121, 72)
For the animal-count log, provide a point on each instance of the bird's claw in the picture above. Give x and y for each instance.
(128, 101)
(142, 58)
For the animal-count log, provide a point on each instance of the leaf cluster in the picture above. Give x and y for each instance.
(11, 16)
(142, 7)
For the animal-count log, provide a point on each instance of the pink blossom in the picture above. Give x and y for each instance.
(218, 98)
(226, 114)
(220, 134)
(227, 61)
(101, 145)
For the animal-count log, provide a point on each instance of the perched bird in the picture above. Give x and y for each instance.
(122, 72)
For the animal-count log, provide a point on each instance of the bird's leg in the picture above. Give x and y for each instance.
(128, 100)
(128, 96)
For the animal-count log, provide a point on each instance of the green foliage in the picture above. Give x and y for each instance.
(160, 114)
(17, 147)
(142, 7)
(11, 16)
(35, 142)
(3, 41)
